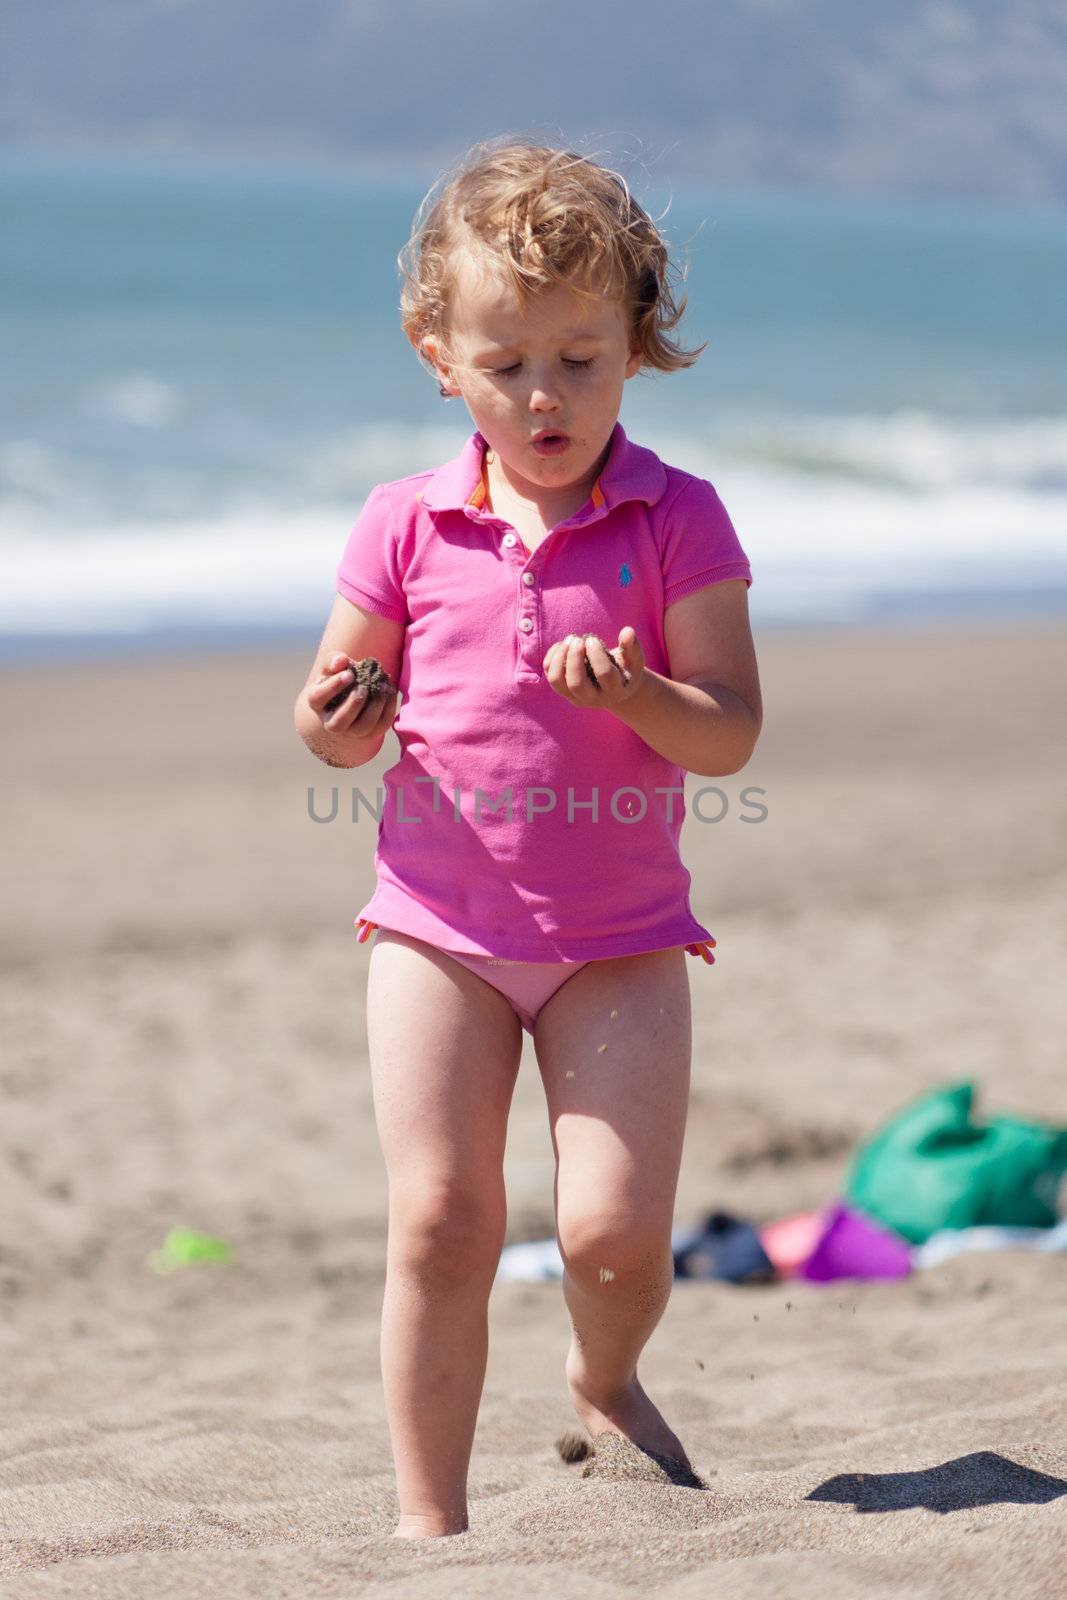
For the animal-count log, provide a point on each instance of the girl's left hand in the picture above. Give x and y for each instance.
(619, 671)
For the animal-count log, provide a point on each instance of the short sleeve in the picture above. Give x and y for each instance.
(699, 543)
(370, 574)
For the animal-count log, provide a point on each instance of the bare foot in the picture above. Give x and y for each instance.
(628, 1411)
(416, 1526)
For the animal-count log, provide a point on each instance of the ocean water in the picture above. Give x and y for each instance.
(203, 375)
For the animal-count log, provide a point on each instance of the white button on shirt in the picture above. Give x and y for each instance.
(528, 579)
(510, 539)
(526, 624)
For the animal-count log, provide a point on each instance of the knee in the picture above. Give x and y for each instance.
(598, 1248)
(446, 1231)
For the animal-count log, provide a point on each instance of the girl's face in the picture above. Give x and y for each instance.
(559, 370)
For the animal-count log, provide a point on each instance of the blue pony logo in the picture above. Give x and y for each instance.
(626, 577)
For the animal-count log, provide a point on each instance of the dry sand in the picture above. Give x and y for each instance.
(184, 1027)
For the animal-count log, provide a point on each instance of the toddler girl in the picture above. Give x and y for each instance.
(566, 619)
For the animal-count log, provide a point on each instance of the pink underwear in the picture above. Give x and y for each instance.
(528, 985)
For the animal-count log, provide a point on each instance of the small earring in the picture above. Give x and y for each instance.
(443, 392)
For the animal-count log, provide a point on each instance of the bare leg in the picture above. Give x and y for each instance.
(444, 1052)
(617, 1116)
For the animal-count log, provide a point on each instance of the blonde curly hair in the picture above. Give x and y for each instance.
(544, 217)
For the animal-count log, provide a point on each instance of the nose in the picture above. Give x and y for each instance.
(543, 396)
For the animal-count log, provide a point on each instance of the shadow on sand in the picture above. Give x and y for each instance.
(981, 1479)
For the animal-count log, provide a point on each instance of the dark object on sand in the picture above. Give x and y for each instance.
(727, 1247)
(573, 1447)
(615, 1459)
(368, 672)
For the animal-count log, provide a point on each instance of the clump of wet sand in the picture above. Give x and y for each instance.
(615, 1459)
(367, 673)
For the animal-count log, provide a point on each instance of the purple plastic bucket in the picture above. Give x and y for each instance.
(854, 1245)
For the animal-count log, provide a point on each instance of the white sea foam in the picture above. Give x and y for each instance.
(815, 553)
(251, 568)
(901, 508)
(907, 449)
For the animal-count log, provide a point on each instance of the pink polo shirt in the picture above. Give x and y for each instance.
(515, 824)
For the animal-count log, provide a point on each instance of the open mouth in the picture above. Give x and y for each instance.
(551, 444)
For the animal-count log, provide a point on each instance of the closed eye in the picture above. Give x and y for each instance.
(507, 372)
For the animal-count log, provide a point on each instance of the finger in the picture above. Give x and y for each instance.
(379, 709)
(574, 671)
(346, 711)
(336, 663)
(629, 652)
(601, 661)
(331, 688)
(554, 664)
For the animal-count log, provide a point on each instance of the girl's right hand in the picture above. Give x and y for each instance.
(359, 714)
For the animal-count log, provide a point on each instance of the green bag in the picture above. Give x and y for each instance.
(931, 1167)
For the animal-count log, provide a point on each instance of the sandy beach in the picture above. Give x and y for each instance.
(183, 1011)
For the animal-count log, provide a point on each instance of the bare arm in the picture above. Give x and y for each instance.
(354, 733)
(707, 715)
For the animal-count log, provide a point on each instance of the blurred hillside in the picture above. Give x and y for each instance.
(962, 98)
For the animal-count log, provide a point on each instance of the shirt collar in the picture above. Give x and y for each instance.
(630, 473)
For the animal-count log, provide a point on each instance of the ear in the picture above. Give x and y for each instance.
(633, 365)
(432, 351)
